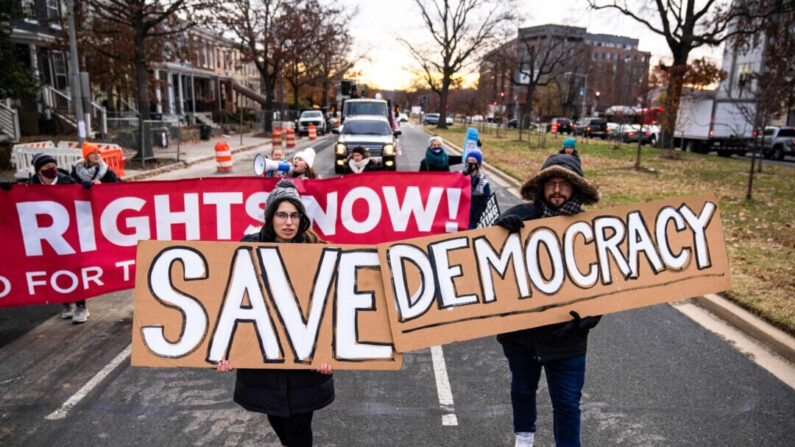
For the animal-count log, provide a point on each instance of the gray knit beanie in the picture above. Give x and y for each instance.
(285, 190)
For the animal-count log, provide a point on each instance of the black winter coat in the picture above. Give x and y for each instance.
(109, 177)
(280, 392)
(545, 342)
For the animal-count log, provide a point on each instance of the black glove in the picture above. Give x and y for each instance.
(6, 185)
(578, 324)
(87, 184)
(510, 222)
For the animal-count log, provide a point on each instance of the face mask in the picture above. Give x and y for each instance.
(436, 150)
(49, 173)
(472, 167)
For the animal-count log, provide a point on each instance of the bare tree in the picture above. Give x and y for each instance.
(768, 91)
(539, 61)
(685, 25)
(460, 29)
(144, 21)
(260, 29)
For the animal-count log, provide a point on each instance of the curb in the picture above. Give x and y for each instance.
(185, 164)
(773, 338)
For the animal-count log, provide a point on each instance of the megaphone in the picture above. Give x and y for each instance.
(263, 164)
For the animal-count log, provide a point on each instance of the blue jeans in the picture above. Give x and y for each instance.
(565, 379)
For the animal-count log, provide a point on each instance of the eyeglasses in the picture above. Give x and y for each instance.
(563, 185)
(281, 215)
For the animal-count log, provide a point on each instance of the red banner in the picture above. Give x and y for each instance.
(67, 243)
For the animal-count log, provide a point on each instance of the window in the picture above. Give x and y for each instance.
(27, 8)
(367, 128)
(60, 72)
(53, 9)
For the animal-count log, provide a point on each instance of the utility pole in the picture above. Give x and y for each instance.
(77, 98)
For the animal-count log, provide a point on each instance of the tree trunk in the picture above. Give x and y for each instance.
(442, 124)
(673, 95)
(142, 82)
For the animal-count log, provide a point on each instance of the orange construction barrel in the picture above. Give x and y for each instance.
(223, 157)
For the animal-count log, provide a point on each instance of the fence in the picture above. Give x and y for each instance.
(153, 139)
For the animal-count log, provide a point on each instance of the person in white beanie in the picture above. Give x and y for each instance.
(302, 164)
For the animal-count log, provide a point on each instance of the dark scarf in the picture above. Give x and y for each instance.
(573, 206)
(436, 161)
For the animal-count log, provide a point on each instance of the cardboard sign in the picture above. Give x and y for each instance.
(473, 284)
(260, 306)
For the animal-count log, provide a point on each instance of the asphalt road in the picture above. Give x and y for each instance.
(655, 378)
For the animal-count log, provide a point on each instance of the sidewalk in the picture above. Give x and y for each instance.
(194, 152)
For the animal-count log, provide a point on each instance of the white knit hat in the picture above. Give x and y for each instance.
(308, 155)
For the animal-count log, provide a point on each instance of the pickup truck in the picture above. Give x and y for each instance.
(778, 142)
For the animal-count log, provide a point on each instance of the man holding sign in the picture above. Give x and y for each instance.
(558, 189)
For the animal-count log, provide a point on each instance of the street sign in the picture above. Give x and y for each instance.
(582, 91)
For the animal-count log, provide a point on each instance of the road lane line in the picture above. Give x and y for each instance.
(443, 387)
(90, 385)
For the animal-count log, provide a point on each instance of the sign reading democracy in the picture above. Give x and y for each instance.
(67, 243)
(260, 305)
(297, 305)
(485, 282)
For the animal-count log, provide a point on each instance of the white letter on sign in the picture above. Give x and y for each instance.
(242, 283)
(301, 332)
(194, 316)
(419, 302)
(33, 234)
(349, 302)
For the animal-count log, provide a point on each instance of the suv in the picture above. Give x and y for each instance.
(563, 125)
(374, 133)
(430, 118)
(778, 142)
(366, 106)
(591, 127)
(310, 117)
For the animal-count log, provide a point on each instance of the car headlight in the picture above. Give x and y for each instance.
(341, 149)
(389, 149)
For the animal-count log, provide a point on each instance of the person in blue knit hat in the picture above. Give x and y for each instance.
(569, 147)
(481, 190)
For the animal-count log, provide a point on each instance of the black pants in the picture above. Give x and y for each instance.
(293, 431)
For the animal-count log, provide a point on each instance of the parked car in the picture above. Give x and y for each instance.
(512, 124)
(630, 133)
(430, 118)
(778, 142)
(310, 117)
(591, 127)
(374, 133)
(403, 118)
(561, 125)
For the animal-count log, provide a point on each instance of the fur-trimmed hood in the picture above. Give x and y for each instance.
(567, 167)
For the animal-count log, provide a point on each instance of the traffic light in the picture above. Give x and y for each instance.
(597, 93)
(397, 108)
(502, 94)
(495, 102)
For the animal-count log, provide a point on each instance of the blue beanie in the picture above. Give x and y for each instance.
(569, 142)
(477, 155)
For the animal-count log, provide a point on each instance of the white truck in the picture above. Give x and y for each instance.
(705, 124)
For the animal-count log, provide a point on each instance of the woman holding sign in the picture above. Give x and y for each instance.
(288, 397)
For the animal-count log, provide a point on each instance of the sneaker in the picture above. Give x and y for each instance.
(68, 311)
(81, 315)
(524, 439)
